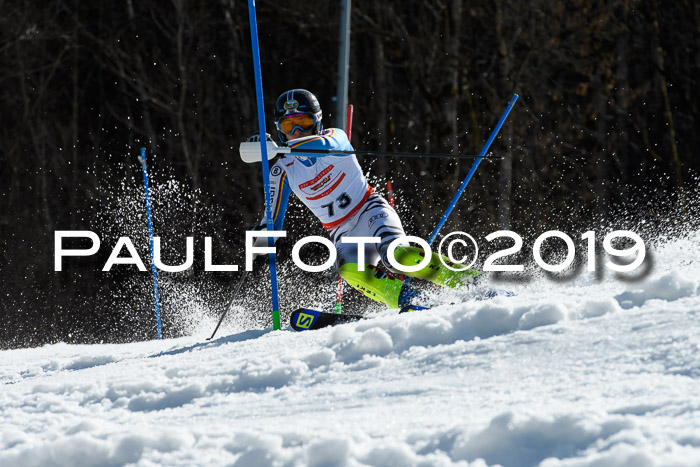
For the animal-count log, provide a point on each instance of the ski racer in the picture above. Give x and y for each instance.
(336, 191)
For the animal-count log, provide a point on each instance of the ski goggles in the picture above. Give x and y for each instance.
(304, 122)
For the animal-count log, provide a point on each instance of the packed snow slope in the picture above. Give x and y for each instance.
(589, 372)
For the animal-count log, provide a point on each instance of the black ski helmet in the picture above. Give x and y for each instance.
(297, 101)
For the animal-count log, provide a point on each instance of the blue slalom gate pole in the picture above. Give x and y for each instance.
(150, 240)
(476, 163)
(265, 164)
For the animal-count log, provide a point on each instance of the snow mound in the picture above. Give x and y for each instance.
(446, 325)
(669, 287)
(510, 442)
(91, 448)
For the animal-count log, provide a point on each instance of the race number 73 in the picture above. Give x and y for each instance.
(343, 201)
(637, 248)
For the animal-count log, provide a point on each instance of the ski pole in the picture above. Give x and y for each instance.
(481, 155)
(311, 152)
(250, 153)
(230, 302)
(265, 166)
(149, 220)
(486, 147)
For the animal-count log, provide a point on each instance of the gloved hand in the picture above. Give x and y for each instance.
(250, 149)
(255, 137)
(260, 242)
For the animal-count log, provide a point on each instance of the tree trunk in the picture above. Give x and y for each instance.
(505, 173)
(600, 156)
(143, 96)
(380, 97)
(657, 58)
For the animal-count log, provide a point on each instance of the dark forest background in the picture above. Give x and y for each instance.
(605, 133)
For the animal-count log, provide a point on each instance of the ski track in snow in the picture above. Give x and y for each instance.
(582, 373)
